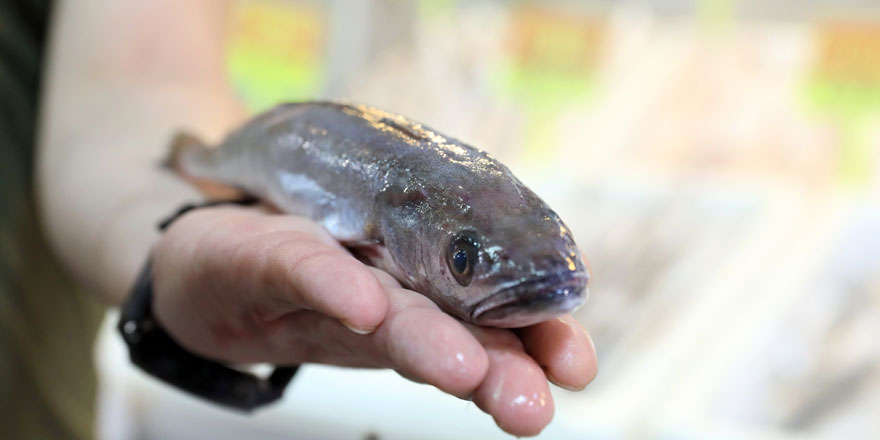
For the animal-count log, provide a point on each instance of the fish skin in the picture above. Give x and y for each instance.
(398, 193)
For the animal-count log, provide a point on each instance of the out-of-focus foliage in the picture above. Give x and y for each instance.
(276, 52)
(845, 86)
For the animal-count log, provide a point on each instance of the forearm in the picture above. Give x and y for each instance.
(122, 78)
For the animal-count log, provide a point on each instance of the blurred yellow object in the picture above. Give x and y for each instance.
(846, 87)
(276, 52)
(550, 62)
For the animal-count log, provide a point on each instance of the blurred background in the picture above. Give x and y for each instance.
(718, 161)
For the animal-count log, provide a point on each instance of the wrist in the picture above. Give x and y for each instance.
(159, 354)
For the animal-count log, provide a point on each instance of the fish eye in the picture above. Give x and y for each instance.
(462, 257)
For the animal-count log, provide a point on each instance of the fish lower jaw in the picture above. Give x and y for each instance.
(528, 307)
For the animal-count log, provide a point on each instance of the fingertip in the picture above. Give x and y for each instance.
(565, 351)
(428, 344)
(467, 372)
(516, 394)
(364, 304)
(341, 287)
(463, 363)
(578, 368)
(592, 363)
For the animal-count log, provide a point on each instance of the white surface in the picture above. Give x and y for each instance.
(664, 383)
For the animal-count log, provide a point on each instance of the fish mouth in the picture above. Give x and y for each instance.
(532, 301)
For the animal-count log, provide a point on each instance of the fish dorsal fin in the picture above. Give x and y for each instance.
(406, 130)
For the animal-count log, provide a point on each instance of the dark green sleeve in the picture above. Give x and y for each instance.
(47, 325)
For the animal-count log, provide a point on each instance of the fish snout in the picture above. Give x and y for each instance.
(533, 301)
(560, 262)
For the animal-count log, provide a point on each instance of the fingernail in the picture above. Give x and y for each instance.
(560, 385)
(573, 389)
(360, 331)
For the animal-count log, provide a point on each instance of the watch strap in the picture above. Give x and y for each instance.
(153, 350)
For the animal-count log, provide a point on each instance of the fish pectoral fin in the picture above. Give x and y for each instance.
(374, 253)
(187, 144)
(368, 251)
(217, 191)
(181, 144)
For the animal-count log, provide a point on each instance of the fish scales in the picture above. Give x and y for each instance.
(444, 218)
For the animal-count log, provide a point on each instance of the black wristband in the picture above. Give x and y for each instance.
(156, 352)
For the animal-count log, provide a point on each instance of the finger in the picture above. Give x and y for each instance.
(250, 222)
(309, 274)
(563, 349)
(385, 278)
(416, 338)
(288, 263)
(515, 391)
(427, 345)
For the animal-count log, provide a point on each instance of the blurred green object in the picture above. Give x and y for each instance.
(715, 14)
(434, 8)
(845, 87)
(277, 52)
(852, 107)
(549, 68)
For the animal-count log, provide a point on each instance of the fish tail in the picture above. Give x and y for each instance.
(182, 145)
(187, 148)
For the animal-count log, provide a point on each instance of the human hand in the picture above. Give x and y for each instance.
(241, 286)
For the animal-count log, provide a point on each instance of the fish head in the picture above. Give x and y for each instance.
(528, 270)
(495, 255)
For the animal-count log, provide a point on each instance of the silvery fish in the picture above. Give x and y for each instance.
(446, 219)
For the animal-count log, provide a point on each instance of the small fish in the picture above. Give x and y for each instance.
(445, 219)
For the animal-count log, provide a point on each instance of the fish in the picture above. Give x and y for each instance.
(445, 219)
